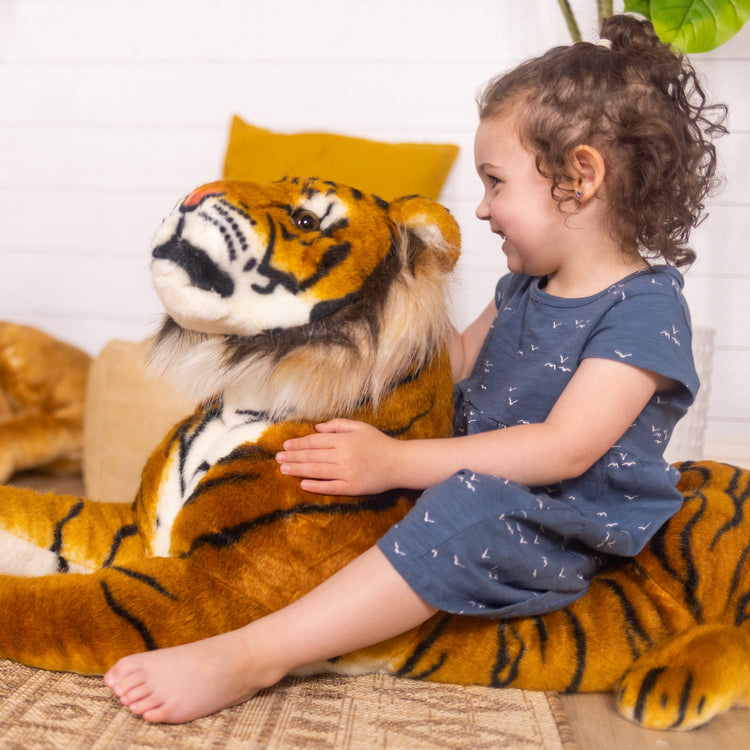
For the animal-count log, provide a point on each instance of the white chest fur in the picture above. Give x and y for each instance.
(216, 437)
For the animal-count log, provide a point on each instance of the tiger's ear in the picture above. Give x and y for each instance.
(432, 233)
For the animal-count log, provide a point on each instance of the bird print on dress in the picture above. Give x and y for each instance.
(532, 351)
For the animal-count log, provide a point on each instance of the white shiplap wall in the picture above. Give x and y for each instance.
(110, 110)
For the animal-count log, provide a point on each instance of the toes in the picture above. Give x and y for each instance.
(162, 715)
(135, 695)
(129, 683)
(121, 672)
(155, 716)
(111, 678)
(147, 706)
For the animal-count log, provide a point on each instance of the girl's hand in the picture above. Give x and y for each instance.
(343, 457)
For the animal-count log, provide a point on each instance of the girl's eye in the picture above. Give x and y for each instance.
(494, 181)
(306, 221)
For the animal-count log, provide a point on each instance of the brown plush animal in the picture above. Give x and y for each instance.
(288, 304)
(42, 393)
(302, 300)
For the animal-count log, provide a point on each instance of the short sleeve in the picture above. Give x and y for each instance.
(508, 286)
(650, 330)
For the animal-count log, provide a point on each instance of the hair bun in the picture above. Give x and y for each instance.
(628, 32)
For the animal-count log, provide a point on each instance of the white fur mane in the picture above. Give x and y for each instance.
(318, 380)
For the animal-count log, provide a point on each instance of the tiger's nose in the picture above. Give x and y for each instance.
(198, 196)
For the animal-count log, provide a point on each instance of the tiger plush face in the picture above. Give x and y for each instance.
(243, 259)
(319, 278)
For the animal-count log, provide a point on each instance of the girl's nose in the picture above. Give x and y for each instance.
(483, 211)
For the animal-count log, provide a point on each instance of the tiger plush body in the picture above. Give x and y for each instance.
(296, 302)
(287, 304)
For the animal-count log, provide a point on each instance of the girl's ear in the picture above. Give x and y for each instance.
(589, 167)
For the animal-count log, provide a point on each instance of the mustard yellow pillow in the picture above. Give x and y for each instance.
(388, 170)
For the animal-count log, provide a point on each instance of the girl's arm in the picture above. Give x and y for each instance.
(600, 402)
(465, 346)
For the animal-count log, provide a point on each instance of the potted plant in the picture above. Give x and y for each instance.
(688, 25)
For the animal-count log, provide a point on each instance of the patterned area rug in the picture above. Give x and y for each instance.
(65, 711)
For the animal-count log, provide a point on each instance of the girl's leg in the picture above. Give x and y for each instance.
(364, 603)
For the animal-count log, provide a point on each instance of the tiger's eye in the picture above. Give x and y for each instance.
(307, 221)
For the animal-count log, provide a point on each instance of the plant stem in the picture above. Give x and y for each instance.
(575, 32)
(603, 9)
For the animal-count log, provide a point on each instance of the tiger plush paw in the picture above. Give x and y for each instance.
(685, 681)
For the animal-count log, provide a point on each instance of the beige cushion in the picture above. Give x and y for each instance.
(128, 412)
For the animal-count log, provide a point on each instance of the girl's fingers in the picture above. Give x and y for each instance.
(310, 471)
(314, 442)
(309, 457)
(336, 425)
(324, 438)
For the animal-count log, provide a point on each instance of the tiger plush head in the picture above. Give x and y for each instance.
(309, 294)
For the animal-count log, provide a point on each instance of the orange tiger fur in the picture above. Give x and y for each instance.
(216, 535)
(668, 630)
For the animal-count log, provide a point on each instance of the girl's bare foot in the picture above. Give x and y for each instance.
(179, 684)
(339, 616)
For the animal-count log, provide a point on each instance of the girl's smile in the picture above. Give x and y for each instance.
(567, 243)
(517, 200)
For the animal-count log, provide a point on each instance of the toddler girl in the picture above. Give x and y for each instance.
(595, 161)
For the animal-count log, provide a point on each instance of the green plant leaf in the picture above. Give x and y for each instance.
(693, 25)
(639, 6)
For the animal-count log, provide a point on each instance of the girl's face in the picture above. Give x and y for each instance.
(517, 200)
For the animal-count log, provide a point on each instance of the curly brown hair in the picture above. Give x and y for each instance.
(641, 105)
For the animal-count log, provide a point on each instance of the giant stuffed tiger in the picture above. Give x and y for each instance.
(291, 303)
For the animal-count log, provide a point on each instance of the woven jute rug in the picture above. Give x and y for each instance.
(40, 709)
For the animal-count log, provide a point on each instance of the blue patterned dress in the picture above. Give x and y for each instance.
(484, 545)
